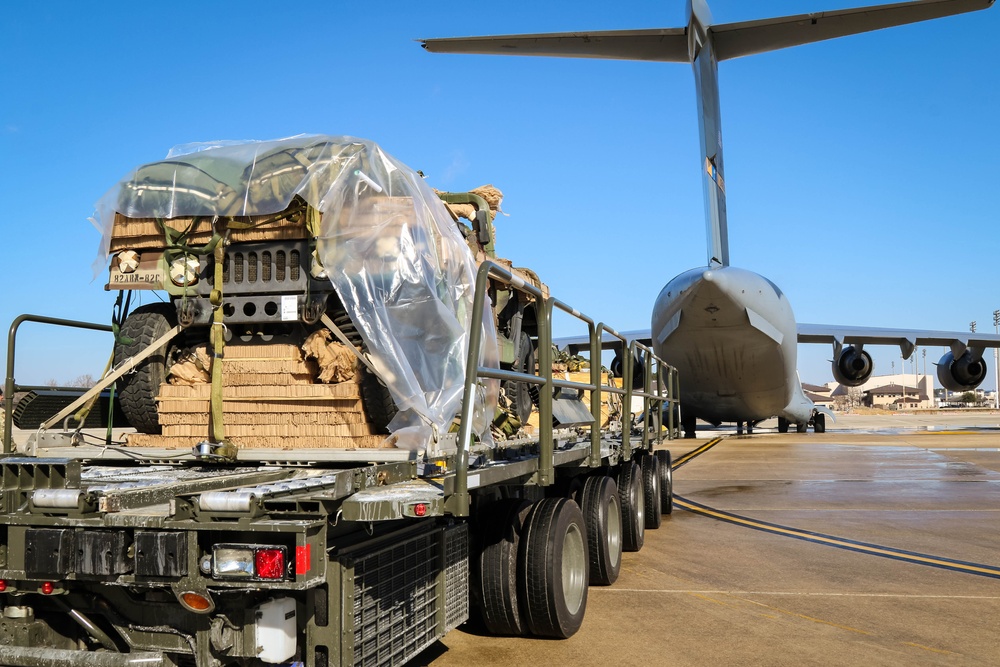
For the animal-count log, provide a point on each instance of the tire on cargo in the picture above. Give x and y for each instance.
(137, 390)
(652, 503)
(666, 481)
(522, 396)
(553, 575)
(632, 500)
(496, 587)
(602, 515)
(377, 400)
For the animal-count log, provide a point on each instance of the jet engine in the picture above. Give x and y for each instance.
(962, 374)
(853, 367)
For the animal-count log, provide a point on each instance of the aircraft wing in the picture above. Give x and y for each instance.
(576, 344)
(659, 44)
(906, 339)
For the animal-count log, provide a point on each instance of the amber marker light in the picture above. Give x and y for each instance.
(200, 603)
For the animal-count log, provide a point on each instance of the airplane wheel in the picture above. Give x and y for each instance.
(650, 466)
(496, 590)
(749, 428)
(782, 425)
(633, 511)
(554, 568)
(666, 481)
(819, 423)
(688, 425)
(602, 514)
(800, 428)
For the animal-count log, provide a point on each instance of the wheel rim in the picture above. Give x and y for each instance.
(614, 537)
(574, 568)
(639, 503)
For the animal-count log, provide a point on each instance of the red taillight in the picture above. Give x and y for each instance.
(269, 563)
(47, 588)
(3, 585)
(420, 509)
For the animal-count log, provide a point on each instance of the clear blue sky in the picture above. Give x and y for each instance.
(861, 172)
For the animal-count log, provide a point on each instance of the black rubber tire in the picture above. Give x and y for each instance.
(522, 396)
(495, 588)
(650, 467)
(782, 425)
(553, 574)
(819, 423)
(603, 515)
(801, 428)
(137, 390)
(375, 396)
(633, 512)
(666, 481)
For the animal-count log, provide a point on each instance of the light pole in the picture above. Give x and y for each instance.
(996, 361)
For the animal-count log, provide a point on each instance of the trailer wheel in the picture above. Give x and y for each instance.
(137, 390)
(554, 568)
(652, 500)
(633, 512)
(602, 514)
(377, 400)
(666, 481)
(496, 589)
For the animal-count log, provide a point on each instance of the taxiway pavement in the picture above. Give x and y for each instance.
(705, 591)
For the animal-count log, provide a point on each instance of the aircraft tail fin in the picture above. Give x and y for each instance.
(733, 40)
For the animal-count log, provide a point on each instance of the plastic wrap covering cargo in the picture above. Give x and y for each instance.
(392, 251)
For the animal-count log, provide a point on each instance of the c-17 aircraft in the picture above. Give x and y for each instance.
(731, 332)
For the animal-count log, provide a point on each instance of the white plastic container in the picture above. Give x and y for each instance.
(274, 628)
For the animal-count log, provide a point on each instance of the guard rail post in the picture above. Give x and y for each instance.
(10, 386)
(546, 453)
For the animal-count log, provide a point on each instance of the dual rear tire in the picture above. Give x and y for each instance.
(533, 568)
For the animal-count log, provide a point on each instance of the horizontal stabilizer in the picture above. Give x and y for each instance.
(733, 40)
(661, 45)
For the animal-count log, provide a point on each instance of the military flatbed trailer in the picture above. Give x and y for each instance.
(114, 556)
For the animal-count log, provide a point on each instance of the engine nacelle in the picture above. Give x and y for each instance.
(853, 367)
(962, 374)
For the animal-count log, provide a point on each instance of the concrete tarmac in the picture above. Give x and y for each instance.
(708, 592)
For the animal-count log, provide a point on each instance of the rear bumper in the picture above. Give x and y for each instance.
(20, 656)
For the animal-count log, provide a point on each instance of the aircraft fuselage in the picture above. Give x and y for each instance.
(732, 336)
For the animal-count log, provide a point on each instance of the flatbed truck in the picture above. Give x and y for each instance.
(231, 553)
(111, 557)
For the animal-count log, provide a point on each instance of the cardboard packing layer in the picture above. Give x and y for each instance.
(261, 442)
(329, 418)
(267, 404)
(140, 233)
(264, 393)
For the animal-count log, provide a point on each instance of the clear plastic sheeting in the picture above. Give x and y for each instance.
(393, 253)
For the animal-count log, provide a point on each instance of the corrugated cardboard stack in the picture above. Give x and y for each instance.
(269, 401)
(142, 233)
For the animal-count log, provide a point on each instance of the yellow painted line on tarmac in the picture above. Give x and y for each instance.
(821, 538)
(678, 462)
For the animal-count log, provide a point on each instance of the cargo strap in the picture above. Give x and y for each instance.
(127, 366)
(217, 429)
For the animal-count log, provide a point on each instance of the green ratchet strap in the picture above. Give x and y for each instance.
(217, 429)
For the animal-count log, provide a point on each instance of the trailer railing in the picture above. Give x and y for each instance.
(10, 384)
(659, 387)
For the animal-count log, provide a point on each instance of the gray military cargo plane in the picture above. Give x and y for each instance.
(731, 332)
